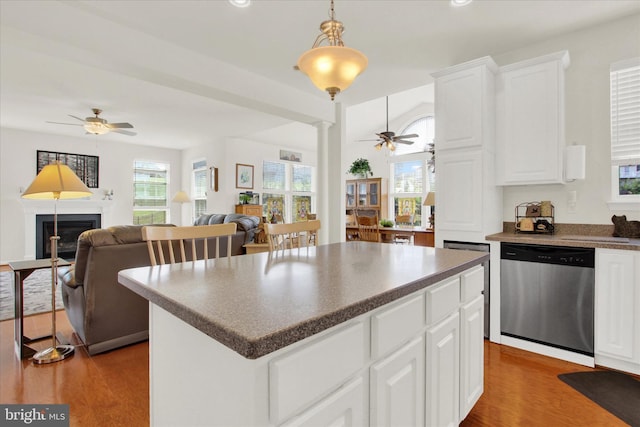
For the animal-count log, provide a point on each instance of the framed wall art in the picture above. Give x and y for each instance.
(244, 176)
(86, 167)
(290, 155)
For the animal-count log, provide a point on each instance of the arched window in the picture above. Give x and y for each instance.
(424, 127)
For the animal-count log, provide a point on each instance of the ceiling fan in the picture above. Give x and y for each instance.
(390, 139)
(99, 126)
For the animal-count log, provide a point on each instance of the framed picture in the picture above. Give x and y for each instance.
(290, 155)
(86, 167)
(214, 178)
(244, 176)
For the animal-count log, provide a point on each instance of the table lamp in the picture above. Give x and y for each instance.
(55, 181)
(430, 200)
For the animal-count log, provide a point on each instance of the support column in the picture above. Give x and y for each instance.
(322, 198)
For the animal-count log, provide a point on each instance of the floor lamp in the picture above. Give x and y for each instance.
(55, 181)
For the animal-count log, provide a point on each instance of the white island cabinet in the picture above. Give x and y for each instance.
(617, 310)
(394, 362)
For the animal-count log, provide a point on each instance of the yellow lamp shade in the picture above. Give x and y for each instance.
(430, 200)
(332, 68)
(56, 181)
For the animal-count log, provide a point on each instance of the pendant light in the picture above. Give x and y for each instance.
(334, 67)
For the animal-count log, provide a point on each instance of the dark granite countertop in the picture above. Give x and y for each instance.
(257, 304)
(574, 235)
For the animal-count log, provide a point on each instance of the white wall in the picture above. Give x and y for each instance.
(18, 169)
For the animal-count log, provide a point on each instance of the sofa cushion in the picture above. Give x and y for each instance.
(209, 219)
(245, 223)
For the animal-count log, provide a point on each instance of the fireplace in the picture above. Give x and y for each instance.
(70, 226)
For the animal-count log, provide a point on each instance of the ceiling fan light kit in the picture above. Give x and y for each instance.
(332, 68)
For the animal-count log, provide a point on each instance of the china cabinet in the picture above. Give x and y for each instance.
(366, 195)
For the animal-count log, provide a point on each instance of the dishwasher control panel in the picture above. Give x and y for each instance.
(562, 255)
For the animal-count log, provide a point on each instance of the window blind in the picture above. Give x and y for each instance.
(625, 111)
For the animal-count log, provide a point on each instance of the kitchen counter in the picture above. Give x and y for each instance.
(574, 235)
(256, 304)
(313, 336)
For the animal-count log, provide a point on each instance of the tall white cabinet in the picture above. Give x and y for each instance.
(468, 203)
(530, 120)
(617, 310)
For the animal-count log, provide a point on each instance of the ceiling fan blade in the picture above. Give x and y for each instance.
(119, 125)
(77, 118)
(369, 140)
(411, 135)
(124, 132)
(70, 124)
(403, 141)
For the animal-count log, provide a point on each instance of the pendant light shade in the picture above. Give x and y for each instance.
(332, 68)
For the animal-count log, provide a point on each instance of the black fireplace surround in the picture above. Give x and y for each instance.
(70, 226)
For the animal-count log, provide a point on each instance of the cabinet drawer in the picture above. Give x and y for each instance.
(442, 299)
(302, 376)
(396, 325)
(471, 284)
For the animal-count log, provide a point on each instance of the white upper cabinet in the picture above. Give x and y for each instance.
(464, 104)
(530, 121)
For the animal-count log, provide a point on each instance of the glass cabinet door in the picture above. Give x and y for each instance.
(351, 195)
(374, 192)
(362, 194)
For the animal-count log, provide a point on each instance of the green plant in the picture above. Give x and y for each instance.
(360, 167)
(245, 199)
(386, 223)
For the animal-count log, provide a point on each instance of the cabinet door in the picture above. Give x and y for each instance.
(616, 297)
(530, 117)
(471, 354)
(351, 195)
(397, 387)
(460, 190)
(345, 408)
(363, 201)
(443, 376)
(459, 111)
(373, 190)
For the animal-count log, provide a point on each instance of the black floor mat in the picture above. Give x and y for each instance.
(616, 392)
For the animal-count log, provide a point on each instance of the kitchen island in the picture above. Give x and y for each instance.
(314, 335)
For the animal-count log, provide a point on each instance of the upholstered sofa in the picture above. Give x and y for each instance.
(247, 228)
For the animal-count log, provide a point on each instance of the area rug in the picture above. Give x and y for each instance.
(37, 294)
(616, 392)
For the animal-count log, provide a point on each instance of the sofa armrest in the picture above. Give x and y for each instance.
(66, 276)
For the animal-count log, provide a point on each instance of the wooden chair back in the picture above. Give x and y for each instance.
(178, 238)
(400, 237)
(368, 228)
(294, 235)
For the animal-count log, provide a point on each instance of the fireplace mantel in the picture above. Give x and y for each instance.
(69, 206)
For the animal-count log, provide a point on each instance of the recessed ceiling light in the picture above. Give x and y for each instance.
(459, 3)
(240, 3)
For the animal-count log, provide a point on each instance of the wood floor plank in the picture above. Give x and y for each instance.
(112, 389)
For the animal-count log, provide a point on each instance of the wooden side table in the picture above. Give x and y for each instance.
(254, 248)
(22, 270)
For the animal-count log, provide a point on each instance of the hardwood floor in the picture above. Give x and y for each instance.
(112, 389)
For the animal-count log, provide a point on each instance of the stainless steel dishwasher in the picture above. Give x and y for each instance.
(547, 295)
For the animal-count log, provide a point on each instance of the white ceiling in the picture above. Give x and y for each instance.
(145, 62)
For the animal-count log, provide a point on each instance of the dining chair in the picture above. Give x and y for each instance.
(292, 235)
(403, 236)
(173, 239)
(368, 228)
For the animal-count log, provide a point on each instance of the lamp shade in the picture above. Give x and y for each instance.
(430, 200)
(181, 197)
(332, 68)
(56, 181)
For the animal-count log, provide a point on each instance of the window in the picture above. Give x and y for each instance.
(199, 182)
(408, 189)
(150, 185)
(625, 130)
(290, 189)
(424, 127)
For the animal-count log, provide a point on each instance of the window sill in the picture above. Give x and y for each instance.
(631, 205)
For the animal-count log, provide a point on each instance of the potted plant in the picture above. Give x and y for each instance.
(360, 167)
(386, 222)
